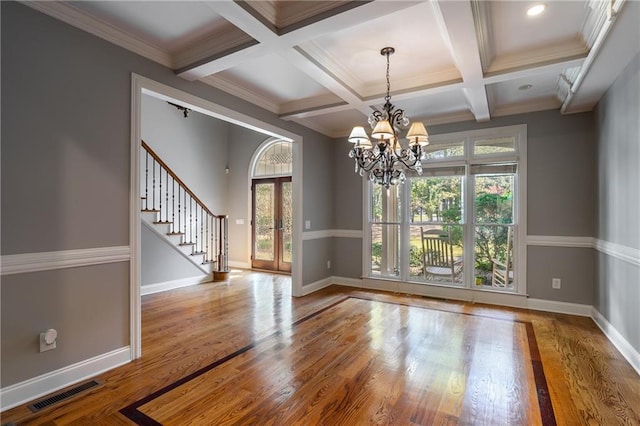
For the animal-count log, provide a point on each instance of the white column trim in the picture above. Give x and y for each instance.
(45, 261)
(19, 393)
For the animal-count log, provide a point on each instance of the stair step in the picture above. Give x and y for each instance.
(207, 262)
(196, 253)
(187, 244)
(175, 233)
(150, 211)
(162, 222)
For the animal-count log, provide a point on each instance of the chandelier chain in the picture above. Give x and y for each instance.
(388, 97)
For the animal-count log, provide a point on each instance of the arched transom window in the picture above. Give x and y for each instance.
(275, 160)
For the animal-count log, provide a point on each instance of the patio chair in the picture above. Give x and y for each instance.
(503, 270)
(437, 255)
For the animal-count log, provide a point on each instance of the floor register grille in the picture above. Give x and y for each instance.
(37, 406)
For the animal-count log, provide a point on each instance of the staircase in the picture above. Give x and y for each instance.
(170, 209)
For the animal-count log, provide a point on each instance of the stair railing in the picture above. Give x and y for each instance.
(164, 193)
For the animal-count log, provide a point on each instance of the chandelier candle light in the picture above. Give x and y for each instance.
(386, 161)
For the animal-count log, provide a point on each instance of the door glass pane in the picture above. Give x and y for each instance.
(494, 234)
(287, 221)
(264, 221)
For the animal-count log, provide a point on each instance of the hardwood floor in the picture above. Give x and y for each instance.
(245, 352)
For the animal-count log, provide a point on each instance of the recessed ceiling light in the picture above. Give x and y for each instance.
(536, 9)
(525, 87)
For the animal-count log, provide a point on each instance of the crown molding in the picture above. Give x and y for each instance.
(332, 66)
(324, 102)
(481, 11)
(560, 52)
(443, 77)
(241, 92)
(71, 15)
(524, 107)
(224, 39)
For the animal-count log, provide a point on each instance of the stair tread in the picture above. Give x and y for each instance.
(187, 244)
(175, 233)
(150, 211)
(162, 222)
(196, 253)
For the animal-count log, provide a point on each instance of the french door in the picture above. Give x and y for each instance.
(271, 224)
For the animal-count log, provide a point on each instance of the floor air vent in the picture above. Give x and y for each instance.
(63, 395)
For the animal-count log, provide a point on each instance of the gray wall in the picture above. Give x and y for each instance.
(88, 306)
(65, 180)
(242, 145)
(161, 262)
(560, 200)
(617, 283)
(195, 148)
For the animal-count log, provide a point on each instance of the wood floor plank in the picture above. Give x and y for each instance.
(344, 356)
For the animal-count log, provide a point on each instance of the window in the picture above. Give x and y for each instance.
(459, 223)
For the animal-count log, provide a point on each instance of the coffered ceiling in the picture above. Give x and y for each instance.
(318, 63)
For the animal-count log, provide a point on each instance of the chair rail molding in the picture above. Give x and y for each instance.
(559, 241)
(45, 261)
(618, 251)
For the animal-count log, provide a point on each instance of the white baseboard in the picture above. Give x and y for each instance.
(349, 282)
(559, 307)
(31, 389)
(315, 286)
(240, 265)
(170, 285)
(617, 339)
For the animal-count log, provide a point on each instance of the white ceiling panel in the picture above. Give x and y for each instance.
(170, 25)
(514, 31)
(276, 79)
(354, 53)
(530, 88)
(452, 101)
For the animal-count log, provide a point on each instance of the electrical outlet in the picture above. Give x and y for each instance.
(307, 224)
(48, 340)
(328, 264)
(556, 283)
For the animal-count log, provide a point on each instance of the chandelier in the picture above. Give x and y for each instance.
(386, 161)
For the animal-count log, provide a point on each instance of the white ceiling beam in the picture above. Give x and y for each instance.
(455, 19)
(269, 42)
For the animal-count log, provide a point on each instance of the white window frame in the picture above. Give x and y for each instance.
(519, 209)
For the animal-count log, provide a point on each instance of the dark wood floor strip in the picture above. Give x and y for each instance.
(131, 411)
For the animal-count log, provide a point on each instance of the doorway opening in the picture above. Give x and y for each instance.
(141, 85)
(271, 207)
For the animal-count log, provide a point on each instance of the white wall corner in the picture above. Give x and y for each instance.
(20, 393)
(617, 339)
